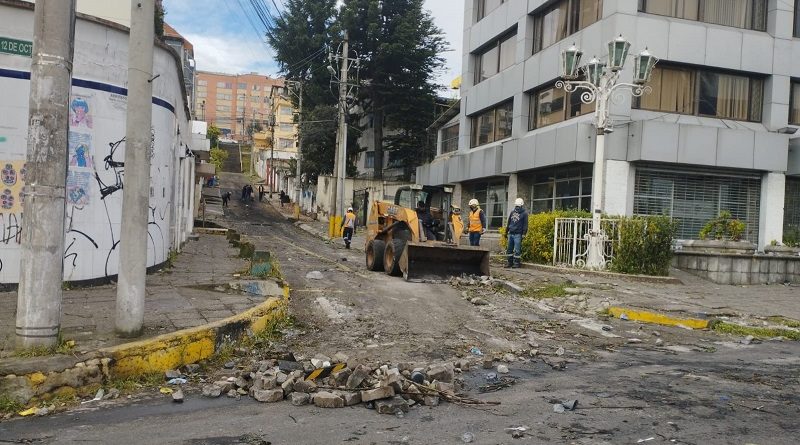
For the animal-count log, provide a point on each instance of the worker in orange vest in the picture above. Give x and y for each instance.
(476, 223)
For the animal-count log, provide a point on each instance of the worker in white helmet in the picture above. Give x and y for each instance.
(476, 220)
(516, 228)
(348, 227)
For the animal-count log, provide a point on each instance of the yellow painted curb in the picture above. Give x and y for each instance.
(170, 351)
(656, 318)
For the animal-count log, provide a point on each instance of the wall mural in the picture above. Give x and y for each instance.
(95, 178)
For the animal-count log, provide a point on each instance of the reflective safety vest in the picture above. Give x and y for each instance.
(349, 220)
(475, 220)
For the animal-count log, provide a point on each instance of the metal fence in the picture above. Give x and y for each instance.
(571, 241)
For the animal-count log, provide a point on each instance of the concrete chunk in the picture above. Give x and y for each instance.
(327, 399)
(377, 394)
(268, 395)
(299, 398)
(391, 406)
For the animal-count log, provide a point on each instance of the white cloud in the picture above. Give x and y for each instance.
(231, 55)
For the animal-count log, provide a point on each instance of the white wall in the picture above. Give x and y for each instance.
(93, 222)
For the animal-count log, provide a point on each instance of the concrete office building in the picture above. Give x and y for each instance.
(714, 134)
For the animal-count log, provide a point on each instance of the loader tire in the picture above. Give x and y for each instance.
(391, 257)
(374, 253)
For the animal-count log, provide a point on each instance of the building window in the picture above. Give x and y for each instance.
(225, 108)
(226, 85)
(285, 144)
(498, 56)
(450, 138)
(369, 159)
(552, 105)
(286, 111)
(794, 104)
(694, 198)
(492, 197)
(791, 213)
(562, 189)
(202, 82)
(704, 93)
(222, 96)
(562, 19)
(487, 6)
(286, 127)
(202, 94)
(255, 87)
(241, 86)
(492, 125)
(747, 14)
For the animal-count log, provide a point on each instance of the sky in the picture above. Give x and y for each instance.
(225, 38)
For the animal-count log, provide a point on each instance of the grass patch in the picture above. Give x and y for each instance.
(246, 250)
(8, 405)
(63, 347)
(788, 322)
(737, 329)
(172, 257)
(128, 385)
(549, 291)
(274, 329)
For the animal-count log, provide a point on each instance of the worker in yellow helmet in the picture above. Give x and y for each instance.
(477, 223)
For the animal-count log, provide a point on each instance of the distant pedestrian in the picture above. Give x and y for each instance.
(516, 228)
(225, 197)
(280, 197)
(244, 192)
(477, 223)
(284, 198)
(261, 192)
(250, 193)
(348, 227)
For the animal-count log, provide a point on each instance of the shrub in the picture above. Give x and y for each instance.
(791, 237)
(218, 157)
(644, 245)
(723, 227)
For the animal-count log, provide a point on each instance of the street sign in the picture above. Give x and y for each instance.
(16, 47)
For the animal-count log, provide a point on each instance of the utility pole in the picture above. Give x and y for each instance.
(252, 144)
(340, 169)
(42, 245)
(297, 186)
(136, 193)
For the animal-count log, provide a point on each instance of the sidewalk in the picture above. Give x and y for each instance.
(191, 310)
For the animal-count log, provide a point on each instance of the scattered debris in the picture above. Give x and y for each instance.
(566, 405)
(517, 432)
(502, 369)
(165, 390)
(645, 440)
(496, 384)
(623, 316)
(177, 396)
(467, 437)
(315, 275)
(177, 381)
(476, 352)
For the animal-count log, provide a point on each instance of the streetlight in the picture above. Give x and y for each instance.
(598, 81)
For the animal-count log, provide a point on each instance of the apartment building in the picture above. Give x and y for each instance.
(716, 132)
(232, 102)
(185, 50)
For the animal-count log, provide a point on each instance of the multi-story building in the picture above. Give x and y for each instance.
(232, 102)
(185, 50)
(714, 134)
(277, 144)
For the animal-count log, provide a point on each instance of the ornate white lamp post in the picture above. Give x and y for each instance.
(598, 83)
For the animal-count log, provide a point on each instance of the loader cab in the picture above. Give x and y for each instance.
(436, 199)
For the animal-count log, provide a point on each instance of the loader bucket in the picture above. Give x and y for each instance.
(440, 261)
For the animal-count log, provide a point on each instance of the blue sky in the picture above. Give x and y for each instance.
(225, 40)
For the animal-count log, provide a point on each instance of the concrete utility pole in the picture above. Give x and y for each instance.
(335, 220)
(136, 193)
(42, 245)
(297, 186)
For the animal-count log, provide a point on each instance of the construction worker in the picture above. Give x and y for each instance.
(516, 228)
(425, 217)
(477, 223)
(348, 227)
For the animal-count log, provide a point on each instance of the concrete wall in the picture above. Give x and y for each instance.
(93, 220)
(740, 269)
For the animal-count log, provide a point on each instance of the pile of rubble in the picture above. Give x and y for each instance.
(388, 390)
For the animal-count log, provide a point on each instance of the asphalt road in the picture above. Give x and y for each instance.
(704, 389)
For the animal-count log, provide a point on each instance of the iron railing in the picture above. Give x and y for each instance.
(571, 241)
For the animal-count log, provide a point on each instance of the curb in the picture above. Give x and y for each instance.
(640, 278)
(646, 316)
(43, 377)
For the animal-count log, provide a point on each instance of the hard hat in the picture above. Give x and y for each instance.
(473, 202)
(519, 202)
(349, 209)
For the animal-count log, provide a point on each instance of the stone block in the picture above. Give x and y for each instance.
(342, 376)
(306, 386)
(299, 398)
(360, 373)
(691, 262)
(741, 265)
(391, 406)
(442, 373)
(377, 394)
(268, 395)
(325, 399)
(725, 264)
(724, 277)
(351, 398)
(702, 264)
(713, 264)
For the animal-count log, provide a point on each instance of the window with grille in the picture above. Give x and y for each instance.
(450, 138)
(693, 198)
(791, 208)
(492, 196)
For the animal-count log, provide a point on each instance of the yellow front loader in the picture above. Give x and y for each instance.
(397, 245)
